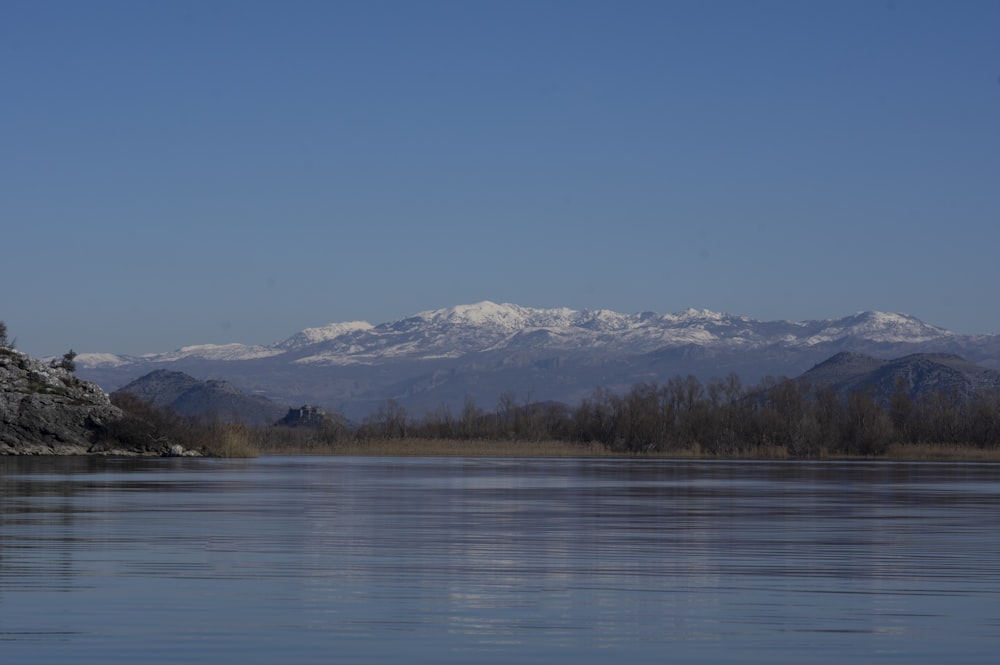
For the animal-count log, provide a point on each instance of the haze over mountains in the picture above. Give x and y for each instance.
(440, 357)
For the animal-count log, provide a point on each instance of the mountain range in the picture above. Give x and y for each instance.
(438, 358)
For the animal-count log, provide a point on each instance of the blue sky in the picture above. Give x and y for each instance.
(175, 173)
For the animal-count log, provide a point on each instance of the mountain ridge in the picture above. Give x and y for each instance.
(486, 320)
(440, 357)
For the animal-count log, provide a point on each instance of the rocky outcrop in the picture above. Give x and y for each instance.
(46, 410)
(305, 416)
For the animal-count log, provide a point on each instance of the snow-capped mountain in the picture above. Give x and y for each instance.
(487, 327)
(326, 333)
(438, 357)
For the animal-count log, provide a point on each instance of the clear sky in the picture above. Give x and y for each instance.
(203, 171)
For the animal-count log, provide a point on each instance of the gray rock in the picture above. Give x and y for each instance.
(46, 410)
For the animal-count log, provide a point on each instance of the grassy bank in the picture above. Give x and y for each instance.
(418, 447)
(441, 448)
(930, 452)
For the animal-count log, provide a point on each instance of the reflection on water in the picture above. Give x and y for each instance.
(300, 560)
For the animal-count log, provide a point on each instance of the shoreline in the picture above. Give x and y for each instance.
(486, 448)
(561, 449)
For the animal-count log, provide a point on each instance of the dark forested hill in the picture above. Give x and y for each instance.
(210, 400)
(916, 376)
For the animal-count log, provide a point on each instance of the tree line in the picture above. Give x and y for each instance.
(720, 417)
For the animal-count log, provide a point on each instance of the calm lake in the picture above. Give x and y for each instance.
(445, 560)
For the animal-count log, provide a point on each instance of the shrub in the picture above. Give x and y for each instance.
(144, 426)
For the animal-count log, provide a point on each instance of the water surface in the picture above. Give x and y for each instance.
(354, 560)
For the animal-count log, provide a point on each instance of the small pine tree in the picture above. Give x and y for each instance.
(67, 361)
(4, 342)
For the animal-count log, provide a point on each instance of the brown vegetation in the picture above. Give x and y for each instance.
(231, 440)
(145, 427)
(416, 447)
(778, 419)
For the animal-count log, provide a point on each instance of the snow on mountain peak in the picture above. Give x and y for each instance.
(323, 333)
(102, 360)
(895, 327)
(885, 319)
(488, 315)
(232, 351)
(487, 326)
(484, 313)
(692, 314)
(603, 319)
(879, 327)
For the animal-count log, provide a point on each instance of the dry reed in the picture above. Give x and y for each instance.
(450, 448)
(232, 440)
(415, 447)
(941, 452)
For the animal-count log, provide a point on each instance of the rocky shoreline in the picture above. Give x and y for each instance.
(46, 410)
